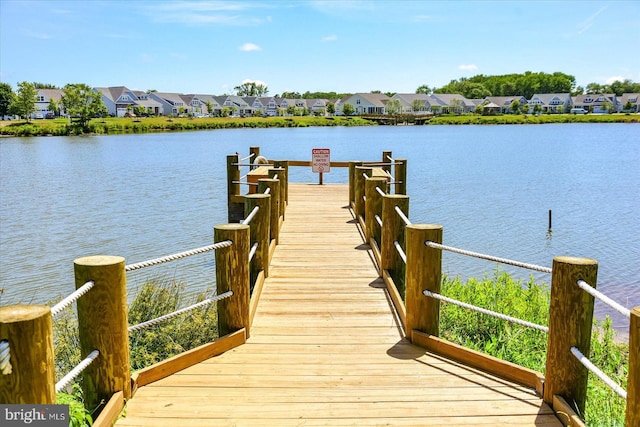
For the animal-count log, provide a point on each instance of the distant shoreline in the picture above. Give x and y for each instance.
(112, 125)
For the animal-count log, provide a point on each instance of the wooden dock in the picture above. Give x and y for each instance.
(326, 348)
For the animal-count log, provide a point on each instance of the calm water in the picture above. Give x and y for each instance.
(143, 196)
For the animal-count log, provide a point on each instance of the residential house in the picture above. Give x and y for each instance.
(414, 103)
(210, 101)
(117, 99)
(632, 99)
(317, 107)
(366, 103)
(150, 105)
(597, 103)
(172, 103)
(504, 102)
(43, 100)
(550, 102)
(236, 105)
(270, 105)
(452, 103)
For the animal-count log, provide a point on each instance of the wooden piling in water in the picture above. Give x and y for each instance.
(570, 322)
(400, 176)
(274, 190)
(103, 325)
(28, 329)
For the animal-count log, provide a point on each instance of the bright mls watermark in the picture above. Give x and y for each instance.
(34, 415)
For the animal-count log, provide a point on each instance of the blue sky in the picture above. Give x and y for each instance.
(342, 46)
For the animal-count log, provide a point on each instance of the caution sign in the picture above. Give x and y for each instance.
(321, 160)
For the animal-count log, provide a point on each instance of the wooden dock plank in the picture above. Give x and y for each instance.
(327, 349)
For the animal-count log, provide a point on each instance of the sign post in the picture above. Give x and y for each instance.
(320, 161)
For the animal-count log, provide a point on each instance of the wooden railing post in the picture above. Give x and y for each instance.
(400, 176)
(274, 190)
(359, 180)
(28, 330)
(570, 321)
(254, 152)
(103, 325)
(632, 418)
(259, 232)
(280, 172)
(373, 207)
(284, 164)
(385, 159)
(232, 274)
(424, 272)
(234, 210)
(352, 181)
(393, 230)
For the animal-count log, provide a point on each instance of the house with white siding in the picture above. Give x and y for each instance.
(117, 99)
(366, 103)
(632, 99)
(596, 103)
(414, 103)
(551, 102)
(43, 100)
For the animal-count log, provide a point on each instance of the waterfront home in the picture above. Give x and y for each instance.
(452, 103)
(504, 102)
(366, 103)
(414, 103)
(117, 99)
(43, 100)
(596, 103)
(150, 106)
(630, 100)
(551, 102)
(172, 103)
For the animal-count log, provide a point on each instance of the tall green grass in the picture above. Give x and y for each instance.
(527, 347)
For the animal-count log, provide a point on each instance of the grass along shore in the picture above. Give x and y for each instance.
(120, 125)
(501, 293)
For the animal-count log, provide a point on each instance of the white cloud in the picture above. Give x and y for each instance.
(248, 47)
(588, 23)
(469, 67)
(330, 38)
(612, 79)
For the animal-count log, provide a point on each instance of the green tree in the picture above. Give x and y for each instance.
(515, 106)
(331, 108)
(393, 107)
(291, 110)
(628, 106)
(6, 96)
(251, 89)
(39, 85)
(209, 105)
(24, 102)
(291, 95)
(54, 107)
(82, 103)
(418, 106)
(525, 109)
(348, 110)
(455, 106)
(424, 89)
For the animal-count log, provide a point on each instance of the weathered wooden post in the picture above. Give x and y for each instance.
(274, 190)
(259, 232)
(386, 155)
(361, 172)
(424, 272)
(393, 230)
(373, 207)
(254, 152)
(280, 173)
(632, 418)
(352, 181)
(284, 164)
(232, 274)
(103, 325)
(29, 374)
(234, 210)
(400, 176)
(570, 321)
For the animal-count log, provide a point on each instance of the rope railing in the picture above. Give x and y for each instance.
(168, 258)
(267, 191)
(380, 191)
(374, 164)
(5, 358)
(598, 373)
(152, 322)
(248, 157)
(485, 311)
(56, 309)
(66, 380)
(251, 215)
(390, 159)
(398, 247)
(488, 257)
(245, 183)
(605, 299)
(402, 216)
(378, 220)
(253, 250)
(251, 164)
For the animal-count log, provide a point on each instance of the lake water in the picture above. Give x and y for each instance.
(491, 187)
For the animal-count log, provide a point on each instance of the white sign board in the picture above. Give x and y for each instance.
(320, 160)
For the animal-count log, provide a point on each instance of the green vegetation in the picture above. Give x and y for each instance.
(527, 347)
(112, 125)
(531, 119)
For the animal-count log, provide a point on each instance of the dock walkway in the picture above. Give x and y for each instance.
(325, 348)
